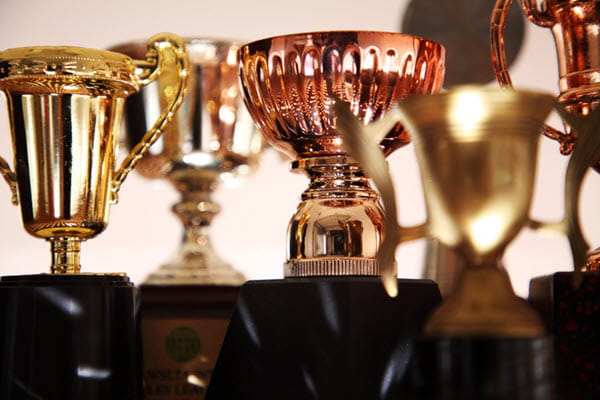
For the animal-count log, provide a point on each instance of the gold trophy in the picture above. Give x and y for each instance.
(211, 138)
(477, 152)
(67, 334)
(329, 322)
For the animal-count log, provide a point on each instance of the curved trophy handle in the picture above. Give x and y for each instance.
(165, 51)
(11, 178)
(540, 17)
(585, 154)
(361, 143)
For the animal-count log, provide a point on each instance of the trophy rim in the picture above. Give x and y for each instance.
(342, 32)
(66, 63)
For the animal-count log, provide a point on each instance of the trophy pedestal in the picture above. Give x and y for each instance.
(183, 327)
(69, 337)
(573, 317)
(325, 337)
(482, 369)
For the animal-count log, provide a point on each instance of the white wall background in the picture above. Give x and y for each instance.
(251, 228)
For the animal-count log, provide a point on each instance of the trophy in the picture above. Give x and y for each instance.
(477, 151)
(212, 137)
(574, 25)
(329, 321)
(72, 335)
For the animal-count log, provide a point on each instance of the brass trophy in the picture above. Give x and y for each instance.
(329, 322)
(72, 335)
(477, 152)
(574, 25)
(189, 300)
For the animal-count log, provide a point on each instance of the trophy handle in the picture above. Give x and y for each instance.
(166, 52)
(11, 178)
(540, 17)
(537, 13)
(585, 155)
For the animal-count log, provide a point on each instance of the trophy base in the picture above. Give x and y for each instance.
(326, 337)
(183, 327)
(573, 317)
(481, 369)
(69, 337)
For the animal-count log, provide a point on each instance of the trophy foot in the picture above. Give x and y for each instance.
(484, 305)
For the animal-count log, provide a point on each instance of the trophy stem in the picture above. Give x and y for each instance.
(339, 224)
(196, 262)
(65, 255)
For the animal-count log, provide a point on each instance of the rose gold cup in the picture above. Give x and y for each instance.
(290, 84)
(575, 25)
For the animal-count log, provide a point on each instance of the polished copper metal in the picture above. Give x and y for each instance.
(65, 106)
(290, 85)
(575, 25)
(211, 138)
(477, 151)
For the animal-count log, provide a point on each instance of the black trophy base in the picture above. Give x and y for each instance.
(481, 369)
(69, 337)
(183, 327)
(321, 338)
(573, 317)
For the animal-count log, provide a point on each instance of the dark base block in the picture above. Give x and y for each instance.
(481, 369)
(573, 316)
(321, 338)
(69, 337)
(183, 327)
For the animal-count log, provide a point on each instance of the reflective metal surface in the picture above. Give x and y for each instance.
(290, 84)
(65, 107)
(575, 25)
(211, 137)
(477, 151)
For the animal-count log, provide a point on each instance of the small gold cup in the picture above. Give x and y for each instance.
(477, 151)
(65, 106)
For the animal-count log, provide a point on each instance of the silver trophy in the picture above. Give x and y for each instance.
(211, 138)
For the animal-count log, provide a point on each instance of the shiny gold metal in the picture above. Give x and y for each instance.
(477, 151)
(290, 85)
(65, 106)
(210, 138)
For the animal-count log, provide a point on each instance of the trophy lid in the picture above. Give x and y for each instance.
(66, 69)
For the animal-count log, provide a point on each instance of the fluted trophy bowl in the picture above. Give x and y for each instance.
(211, 138)
(290, 84)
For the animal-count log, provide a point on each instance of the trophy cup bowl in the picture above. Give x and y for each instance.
(290, 84)
(211, 138)
(66, 334)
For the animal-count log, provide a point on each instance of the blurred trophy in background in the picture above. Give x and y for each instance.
(477, 152)
(330, 321)
(186, 304)
(72, 335)
(566, 297)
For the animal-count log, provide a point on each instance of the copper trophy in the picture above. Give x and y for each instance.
(329, 321)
